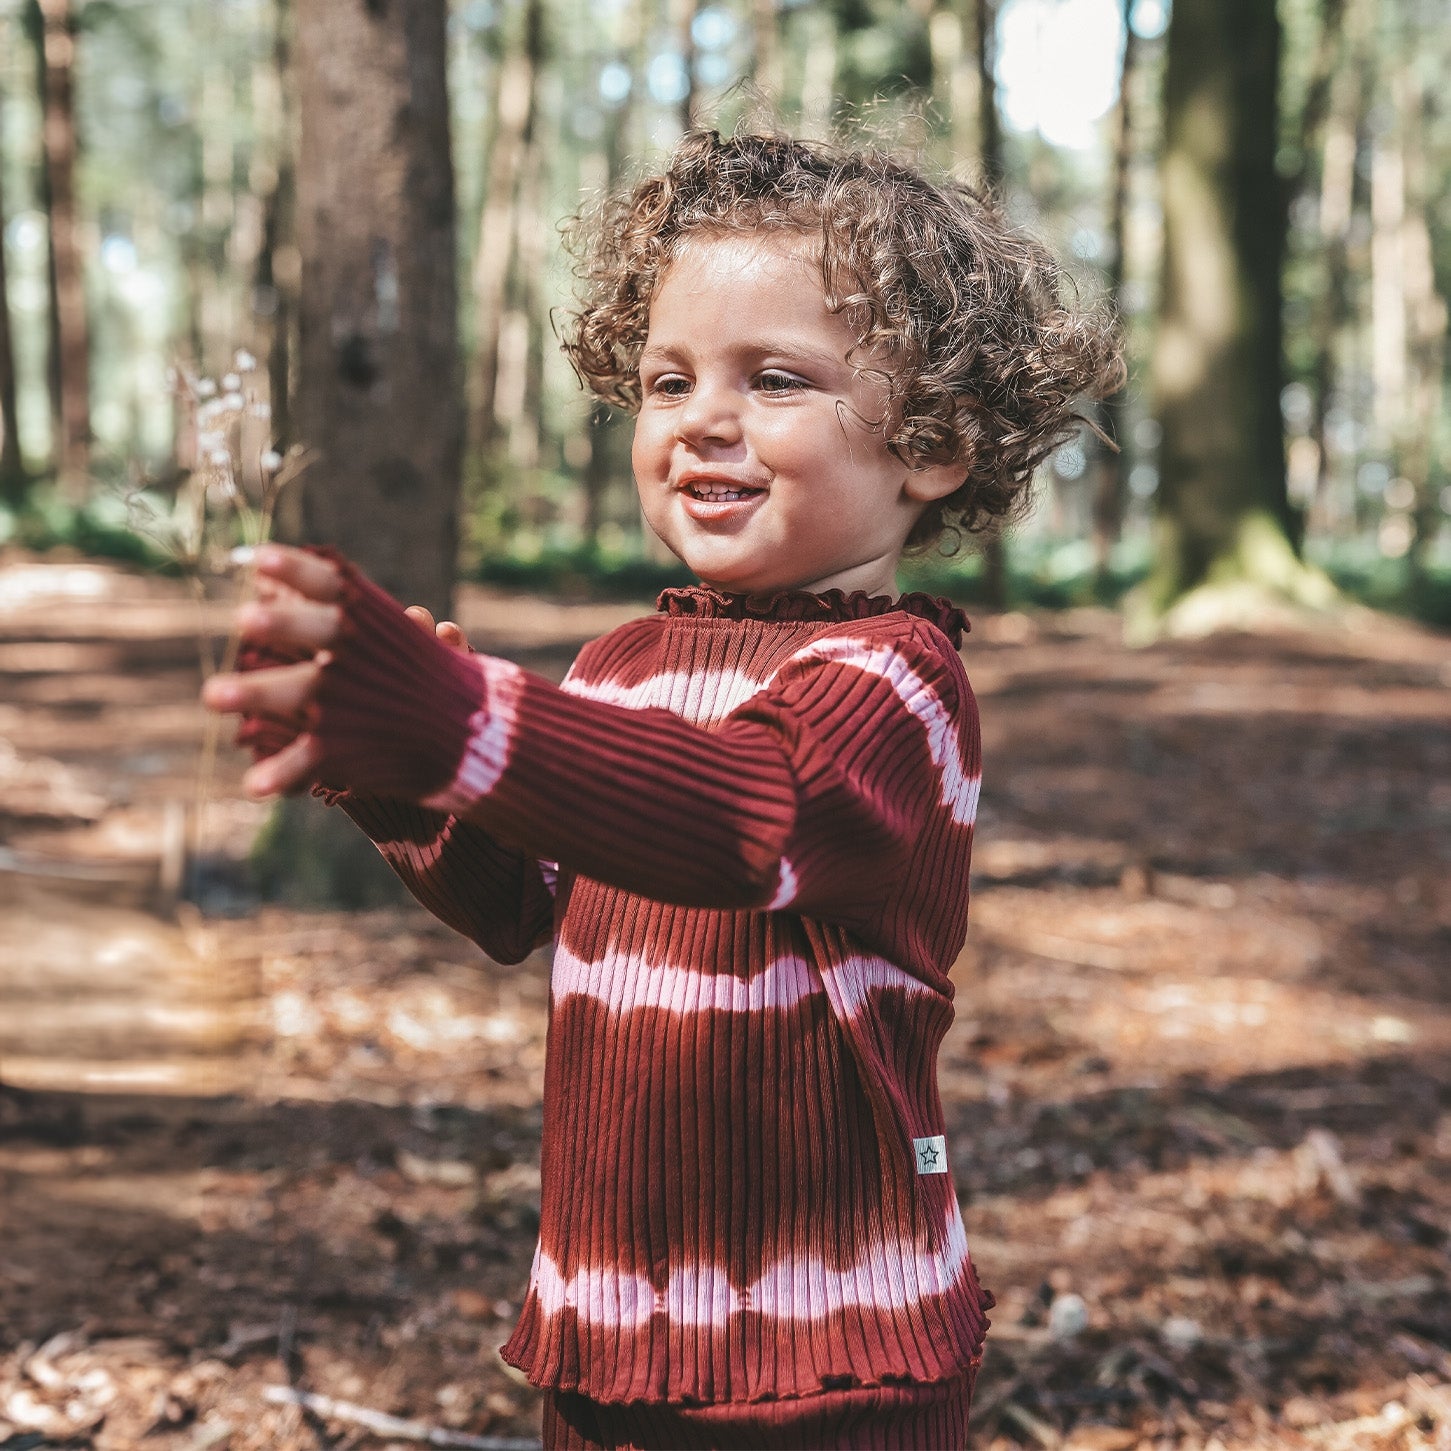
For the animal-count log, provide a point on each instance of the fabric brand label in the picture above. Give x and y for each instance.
(931, 1154)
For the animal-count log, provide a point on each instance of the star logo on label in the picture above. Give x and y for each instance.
(931, 1154)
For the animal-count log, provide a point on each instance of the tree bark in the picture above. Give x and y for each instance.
(377, 383)
(378, 373)
(274, 293)
(954, 86)
(70, 347)
(1110, 468)
(1344, 119)
(1224, 514)
(765, 60)
(604, 427)
(13, 481)
(683, 21)
(990, 155)
(818, 71)
(498, 223)
(1425, 312)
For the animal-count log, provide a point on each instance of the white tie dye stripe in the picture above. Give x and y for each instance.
(708, 696)
(959, 790)
(491, 736)
(888, 1276)
(785, 887)
(627, 981)
(702, 697)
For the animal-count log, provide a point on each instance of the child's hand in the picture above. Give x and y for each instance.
(338, 687)
(293, 621)
(446, 630)
(294, 617)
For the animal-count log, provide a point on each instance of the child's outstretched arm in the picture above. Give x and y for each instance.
(495, 895)
(816, 794)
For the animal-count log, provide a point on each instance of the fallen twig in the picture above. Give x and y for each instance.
(380, 1423)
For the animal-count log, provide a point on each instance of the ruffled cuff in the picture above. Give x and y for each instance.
(394, 708)
(265, 735)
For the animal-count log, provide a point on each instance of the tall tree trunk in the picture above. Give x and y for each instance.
(604, 428)
(521, 421)
(818, 71)
(1388, 321)
(683, 13)
(990, 154)
(1110, 468)
(274, 293)
(498, 224)
(764, 66)
(70, 359)
(377, 397)
(378, 394)
(216, 320)
(1345, 116)
(13, 482)
(954, 78)
(1425, 313)
(1224, 515)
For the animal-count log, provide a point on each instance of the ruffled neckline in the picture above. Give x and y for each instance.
(702, 602)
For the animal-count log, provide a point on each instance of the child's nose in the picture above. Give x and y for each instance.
(710, 414)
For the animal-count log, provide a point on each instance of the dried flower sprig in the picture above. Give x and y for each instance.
(231, 476)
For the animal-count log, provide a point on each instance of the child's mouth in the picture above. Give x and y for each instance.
(713, 493)
(723, 503)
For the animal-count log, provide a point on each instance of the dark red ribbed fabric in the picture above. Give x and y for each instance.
(748, 829)
(878, 1418)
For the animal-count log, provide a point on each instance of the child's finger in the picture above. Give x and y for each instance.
(308, 574)
(281, 690)
(300, 623)
(420, 617)
(289, 770)
(451, 635)
(274, 589)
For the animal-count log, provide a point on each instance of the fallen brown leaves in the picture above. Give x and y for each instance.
(1197, 1093)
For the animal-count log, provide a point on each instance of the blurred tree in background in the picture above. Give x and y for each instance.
(378, 402)
(1260, 188)
(1224, 513)
(377, 362)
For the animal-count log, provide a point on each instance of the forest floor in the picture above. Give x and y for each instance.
(1197, 1092)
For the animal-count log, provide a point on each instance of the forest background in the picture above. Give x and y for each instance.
(180, 182)
(269, 1140)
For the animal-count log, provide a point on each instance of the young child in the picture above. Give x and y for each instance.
(745, 821)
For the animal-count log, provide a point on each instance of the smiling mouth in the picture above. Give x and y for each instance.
(714, 491)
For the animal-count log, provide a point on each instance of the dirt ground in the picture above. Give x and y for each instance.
(1197, 1091)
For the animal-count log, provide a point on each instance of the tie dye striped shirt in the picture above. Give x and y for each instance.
(747, 832)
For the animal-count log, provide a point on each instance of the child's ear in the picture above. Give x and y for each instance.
(936, 481)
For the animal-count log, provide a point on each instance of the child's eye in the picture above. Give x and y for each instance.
(670, 385)
(776, 382)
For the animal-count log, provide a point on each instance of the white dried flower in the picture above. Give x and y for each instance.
(231, 382)
(220, 457)
(205, 387)
(271, 461)
(245, 361)
(208, 411)
(234, 400)
(260, 410)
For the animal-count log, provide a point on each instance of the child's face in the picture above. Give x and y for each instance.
(752, 454)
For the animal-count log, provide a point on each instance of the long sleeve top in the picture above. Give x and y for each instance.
(747, 831)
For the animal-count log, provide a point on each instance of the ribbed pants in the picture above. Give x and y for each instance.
(875, 1418)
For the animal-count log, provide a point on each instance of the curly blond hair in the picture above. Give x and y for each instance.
(963, 317)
